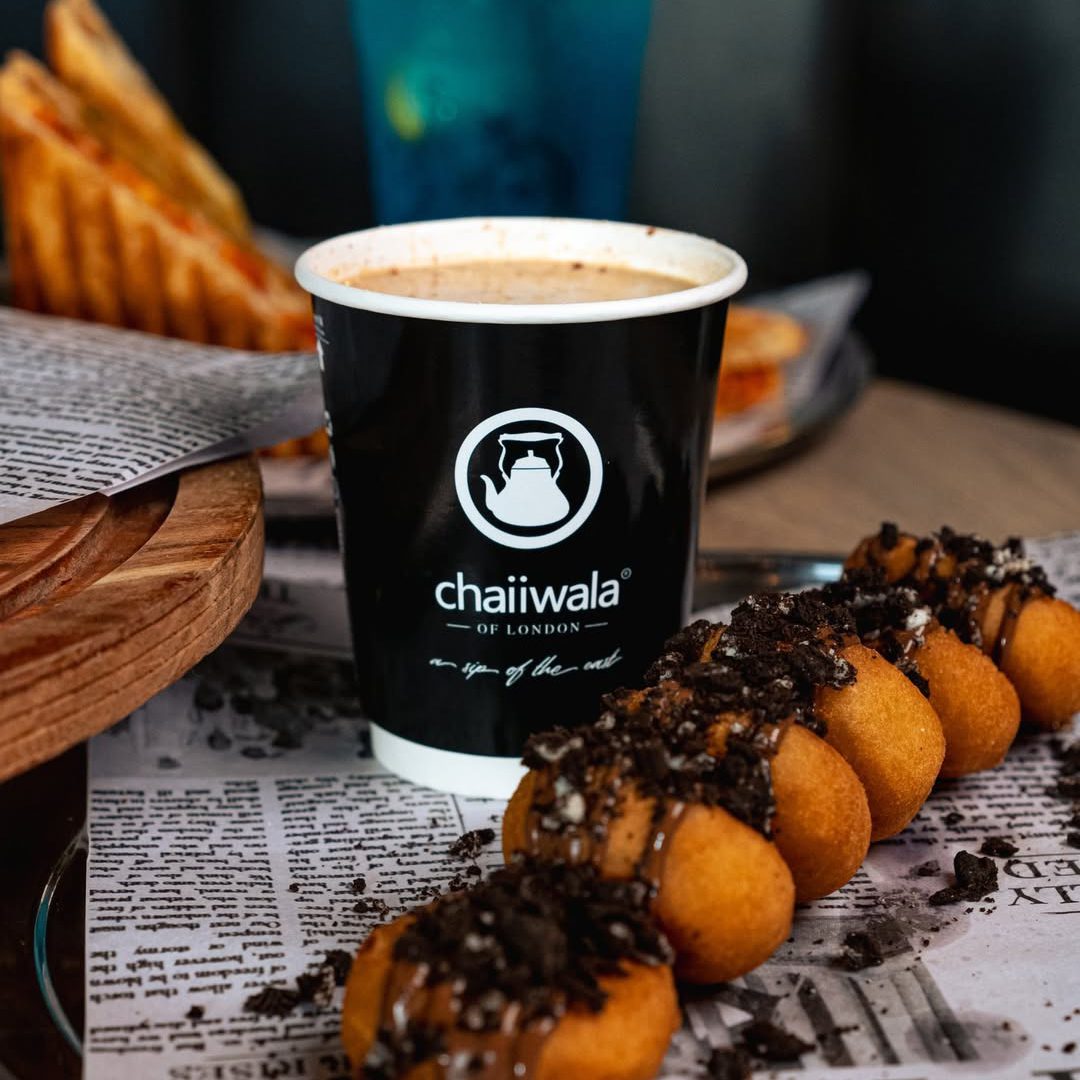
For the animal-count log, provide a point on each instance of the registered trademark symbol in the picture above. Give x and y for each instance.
(624, 573)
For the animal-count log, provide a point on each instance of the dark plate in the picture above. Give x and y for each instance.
(846, 376)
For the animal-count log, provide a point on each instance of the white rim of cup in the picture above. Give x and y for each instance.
(719, 271)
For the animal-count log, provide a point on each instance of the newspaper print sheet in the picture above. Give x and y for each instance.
(239, 831)
(87, 408)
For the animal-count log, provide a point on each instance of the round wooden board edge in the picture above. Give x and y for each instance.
(204, 616)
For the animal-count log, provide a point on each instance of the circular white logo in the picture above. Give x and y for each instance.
(528, 478)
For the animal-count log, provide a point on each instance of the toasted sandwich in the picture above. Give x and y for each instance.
(125, 111)
(757, 345)
(90, 234)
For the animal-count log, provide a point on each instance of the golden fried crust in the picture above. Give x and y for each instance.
(516, 817)
(990, 615)
(889, 734)
(628, 831)
(131, 117)
(739, 389)
(364, 989)
(756, 337)
(626, 1040)
(976, 703)
(1042, 659)
(896, 561)
(726, 896)
(1041, 656)
(822, 823)
(94, 238)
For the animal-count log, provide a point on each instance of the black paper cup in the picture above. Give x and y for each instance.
(518, 485)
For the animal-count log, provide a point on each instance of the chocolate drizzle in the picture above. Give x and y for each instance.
(718, 699)
(661, 744)
(690, 645)
(653, 746)
(666, 818)
(788, 641)
(902, 587)
(956, 575)
(1014, 604)
(703, 733)
(480, 978)
(889, 618)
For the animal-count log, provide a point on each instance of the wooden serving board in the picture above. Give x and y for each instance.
(105, 601)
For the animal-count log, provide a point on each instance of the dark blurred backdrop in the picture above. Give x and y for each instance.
(936, 144)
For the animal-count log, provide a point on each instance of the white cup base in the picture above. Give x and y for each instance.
(473, 775)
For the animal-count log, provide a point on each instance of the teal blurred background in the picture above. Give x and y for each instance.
(488, 107)
(936, 144)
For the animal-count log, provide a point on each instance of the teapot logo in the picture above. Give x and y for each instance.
(528, 478)
(530, 495)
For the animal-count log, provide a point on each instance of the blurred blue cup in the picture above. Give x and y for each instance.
(480, 107)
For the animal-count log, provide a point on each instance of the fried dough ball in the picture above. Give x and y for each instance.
(976, 704)
(897, 561)
(1041, 657)
(888, 733)
(1037, 645)
(725, 897)
(624, 1039)
(822, 823)
(365, 990)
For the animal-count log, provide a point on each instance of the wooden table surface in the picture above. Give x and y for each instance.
(918, 457)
